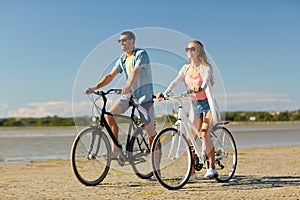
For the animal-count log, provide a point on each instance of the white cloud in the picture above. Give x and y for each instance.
(3, 105)
(43, 109)
(234, 102)
(3, 110)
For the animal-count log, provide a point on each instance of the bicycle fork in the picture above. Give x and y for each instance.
(173, 141)
(177, 136)
(92, 156)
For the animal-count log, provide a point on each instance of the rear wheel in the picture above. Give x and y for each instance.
(225, 153)
(171, 159)
(90, 156)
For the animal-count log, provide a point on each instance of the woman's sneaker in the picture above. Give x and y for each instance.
(211, 173)
(192, 177)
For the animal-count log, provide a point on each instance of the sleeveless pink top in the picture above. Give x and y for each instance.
(191, 83)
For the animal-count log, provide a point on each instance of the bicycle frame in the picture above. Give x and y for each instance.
(91, 153)
(133, 124)
(184, 122)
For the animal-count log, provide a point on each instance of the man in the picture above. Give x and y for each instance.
(135, 65)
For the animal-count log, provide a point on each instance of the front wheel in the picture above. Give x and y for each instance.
(225, 153)
(90, 156)
(140, 154)
(171, 159)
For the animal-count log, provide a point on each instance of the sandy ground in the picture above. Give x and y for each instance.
(262, 173)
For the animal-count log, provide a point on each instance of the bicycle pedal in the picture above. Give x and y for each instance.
(198, 167)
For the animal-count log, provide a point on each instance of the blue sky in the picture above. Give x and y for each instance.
(255, 45)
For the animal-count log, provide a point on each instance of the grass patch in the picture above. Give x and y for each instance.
(58, 160)
(45, 166)
(149, 193)
(146, 184)
(9, 180)
(117, 173)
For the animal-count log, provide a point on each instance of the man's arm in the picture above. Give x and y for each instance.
(135, 75)
(104, 81)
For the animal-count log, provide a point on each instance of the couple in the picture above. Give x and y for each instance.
(196, 75)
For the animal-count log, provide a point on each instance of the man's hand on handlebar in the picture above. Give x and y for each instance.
(159, 96)
(89, 91)
(126, 90)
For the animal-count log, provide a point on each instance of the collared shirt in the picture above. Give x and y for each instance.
(143, 88)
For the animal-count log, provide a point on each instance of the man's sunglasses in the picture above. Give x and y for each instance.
(123, 40)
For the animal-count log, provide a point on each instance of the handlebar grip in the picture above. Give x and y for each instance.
(98, 92)
(190, 91)
(117, 91)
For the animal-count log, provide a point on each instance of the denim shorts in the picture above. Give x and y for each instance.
(200, 107)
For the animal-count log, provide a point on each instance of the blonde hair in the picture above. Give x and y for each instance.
(203, 58)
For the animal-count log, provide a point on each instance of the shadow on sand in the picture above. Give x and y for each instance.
(246, 183)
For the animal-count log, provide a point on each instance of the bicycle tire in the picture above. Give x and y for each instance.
(140, 154)
(171, 163)
(90, 156)
(225, 153)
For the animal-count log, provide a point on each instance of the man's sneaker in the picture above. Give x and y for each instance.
(192, 177)
(211, 173)
(114, 155)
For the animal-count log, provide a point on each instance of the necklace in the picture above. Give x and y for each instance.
(195, 68)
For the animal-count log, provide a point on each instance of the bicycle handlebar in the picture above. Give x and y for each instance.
(183, 94)
(102, 93)
(116, 91)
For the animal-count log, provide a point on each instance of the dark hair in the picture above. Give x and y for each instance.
(129, 34)
(198, 42)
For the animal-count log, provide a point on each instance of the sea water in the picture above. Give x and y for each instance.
(26, 144)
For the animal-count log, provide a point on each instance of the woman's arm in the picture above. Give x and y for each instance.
(177, 80)
(206, 77)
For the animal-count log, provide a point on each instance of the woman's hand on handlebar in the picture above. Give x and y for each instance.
(197, 89)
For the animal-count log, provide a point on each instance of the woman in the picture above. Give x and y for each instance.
(197, 75)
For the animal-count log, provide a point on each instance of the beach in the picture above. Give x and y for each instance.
(262, 173)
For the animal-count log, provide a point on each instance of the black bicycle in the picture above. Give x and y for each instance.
(91, 150)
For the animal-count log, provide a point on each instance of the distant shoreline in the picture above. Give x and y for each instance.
(264, 123)
(230, 122)
(240, 117)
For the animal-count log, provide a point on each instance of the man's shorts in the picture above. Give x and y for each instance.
(146, 110)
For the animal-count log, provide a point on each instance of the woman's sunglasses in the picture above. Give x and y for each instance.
(190, 49)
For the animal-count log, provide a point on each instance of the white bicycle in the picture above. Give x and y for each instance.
(172, 156)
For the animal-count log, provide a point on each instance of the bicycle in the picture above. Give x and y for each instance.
(172, 155)
(91, 149)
